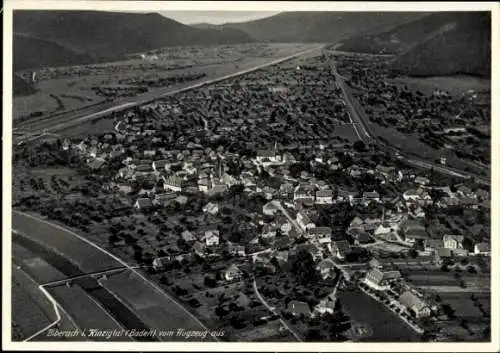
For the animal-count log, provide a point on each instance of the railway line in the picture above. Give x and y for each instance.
(64, 121)
(364, 134)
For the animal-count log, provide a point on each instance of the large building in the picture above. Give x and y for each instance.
(414, 304)
(381, 280)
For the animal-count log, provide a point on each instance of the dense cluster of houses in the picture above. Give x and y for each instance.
(155, 176)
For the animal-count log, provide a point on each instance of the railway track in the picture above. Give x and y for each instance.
(61, 122)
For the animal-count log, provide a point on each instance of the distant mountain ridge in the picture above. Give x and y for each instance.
(443, 43)
(94, 36)
(314, 26)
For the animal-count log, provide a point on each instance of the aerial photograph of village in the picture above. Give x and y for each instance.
(251, 177)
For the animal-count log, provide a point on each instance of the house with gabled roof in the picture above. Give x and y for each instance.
(325, 306)
(298, 308)
(371, 196)
(380, 279)
(232, 273)
(413, 303)
(210, 235)
(160, 263)
(161, 165)
(324, 197)
(340, 249)
(482, 249)
(421, 180)
(453, 241)
(143, 204)
(172, 183)
(235, 249)
(304, 221)
(303, 192)
(199, 248)
(322, 235)
(326, 269)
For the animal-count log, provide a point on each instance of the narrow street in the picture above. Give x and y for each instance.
(273, 310)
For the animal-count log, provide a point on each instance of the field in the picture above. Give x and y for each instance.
(85, 310)
(273, 331)
(443, 282)
(90, 128)
(409, 143)
(471, 319)
(30, 307)
(30, 310)
(346, 131)
(83, 303)
(154, 308)
(73, 85)
(456, 85)
(82, 254)
(378, 323)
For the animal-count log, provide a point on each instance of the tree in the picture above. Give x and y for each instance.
(113, 238)
(210, 282)
(471, 269)
(412, 253)
(304, 267)
(359, 146)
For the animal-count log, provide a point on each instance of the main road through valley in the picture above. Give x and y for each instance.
(31, 129)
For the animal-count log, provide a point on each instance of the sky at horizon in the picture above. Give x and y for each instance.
(215, 17)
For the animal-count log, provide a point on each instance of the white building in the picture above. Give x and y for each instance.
(304, 222)
(324, 197)
(453, 241)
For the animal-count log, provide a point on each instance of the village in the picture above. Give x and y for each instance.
(256, 193)
(455, 119)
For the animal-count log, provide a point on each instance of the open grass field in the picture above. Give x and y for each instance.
(346, 131)
(379, 324)
(73, 85)
(409, 143)
(456, 85)
(91, 128)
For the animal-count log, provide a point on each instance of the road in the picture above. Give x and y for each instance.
(363, 133)
(64, 121)
(273, 310)
(55, 234)
(280, 207)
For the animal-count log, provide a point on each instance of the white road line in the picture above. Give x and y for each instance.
(154, 285)
(354, 126)
(56, 309)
